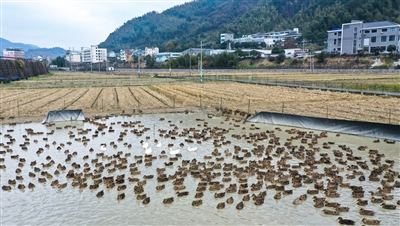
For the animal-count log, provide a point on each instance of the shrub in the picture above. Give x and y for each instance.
(21, 63)
(280, 58)
(294, 62)
(321, 57)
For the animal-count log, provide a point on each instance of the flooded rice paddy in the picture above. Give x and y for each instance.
(76, 182)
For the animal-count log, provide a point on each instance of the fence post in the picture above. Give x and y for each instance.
(283, 107)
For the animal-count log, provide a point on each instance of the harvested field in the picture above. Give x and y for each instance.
(25, 103)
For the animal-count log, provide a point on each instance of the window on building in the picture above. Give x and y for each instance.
(367, 31)
(392, 29)
(373, 39)
(334, 41)
(335, 33)
(383, 48)
(392, 38)
(383, 38)
(384, 29)
(339, 33)
(373, 31)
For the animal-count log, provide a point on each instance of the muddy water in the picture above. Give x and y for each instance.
(47, 205)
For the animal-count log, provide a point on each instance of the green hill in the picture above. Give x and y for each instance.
(185, 25)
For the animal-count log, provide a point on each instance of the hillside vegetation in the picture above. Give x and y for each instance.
(185, 25)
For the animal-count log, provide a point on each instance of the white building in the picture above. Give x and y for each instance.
(226, 37)
(150, 50)
(73, 57)
(357, 36)
(270, 38)
(94, 54)
(122, 55)
(13, 53)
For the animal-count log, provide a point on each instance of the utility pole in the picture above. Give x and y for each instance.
(70, 63)
(201, 61)
(190, 59)
(139, 65)
(312, 64)
(169, 59)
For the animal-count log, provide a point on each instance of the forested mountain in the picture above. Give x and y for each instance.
(185, 25)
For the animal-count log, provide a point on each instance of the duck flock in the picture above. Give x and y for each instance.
(236, 163)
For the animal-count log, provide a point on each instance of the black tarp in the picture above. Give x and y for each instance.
(64, 115)
(367, 129)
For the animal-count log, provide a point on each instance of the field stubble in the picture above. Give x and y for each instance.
(24, 103)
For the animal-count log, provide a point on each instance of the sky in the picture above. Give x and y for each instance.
(71, 24)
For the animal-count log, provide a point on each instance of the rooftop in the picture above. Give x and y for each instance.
(379, 24)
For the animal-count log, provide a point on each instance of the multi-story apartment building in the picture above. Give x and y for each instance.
(13, 53)
(73, 56)
(358, 36)
(94, 54)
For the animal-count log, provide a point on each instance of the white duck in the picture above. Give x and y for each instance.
(145, 145)
(147, 151)
(158, 144)
(103, 147)
(192, 149)
(173, 152)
